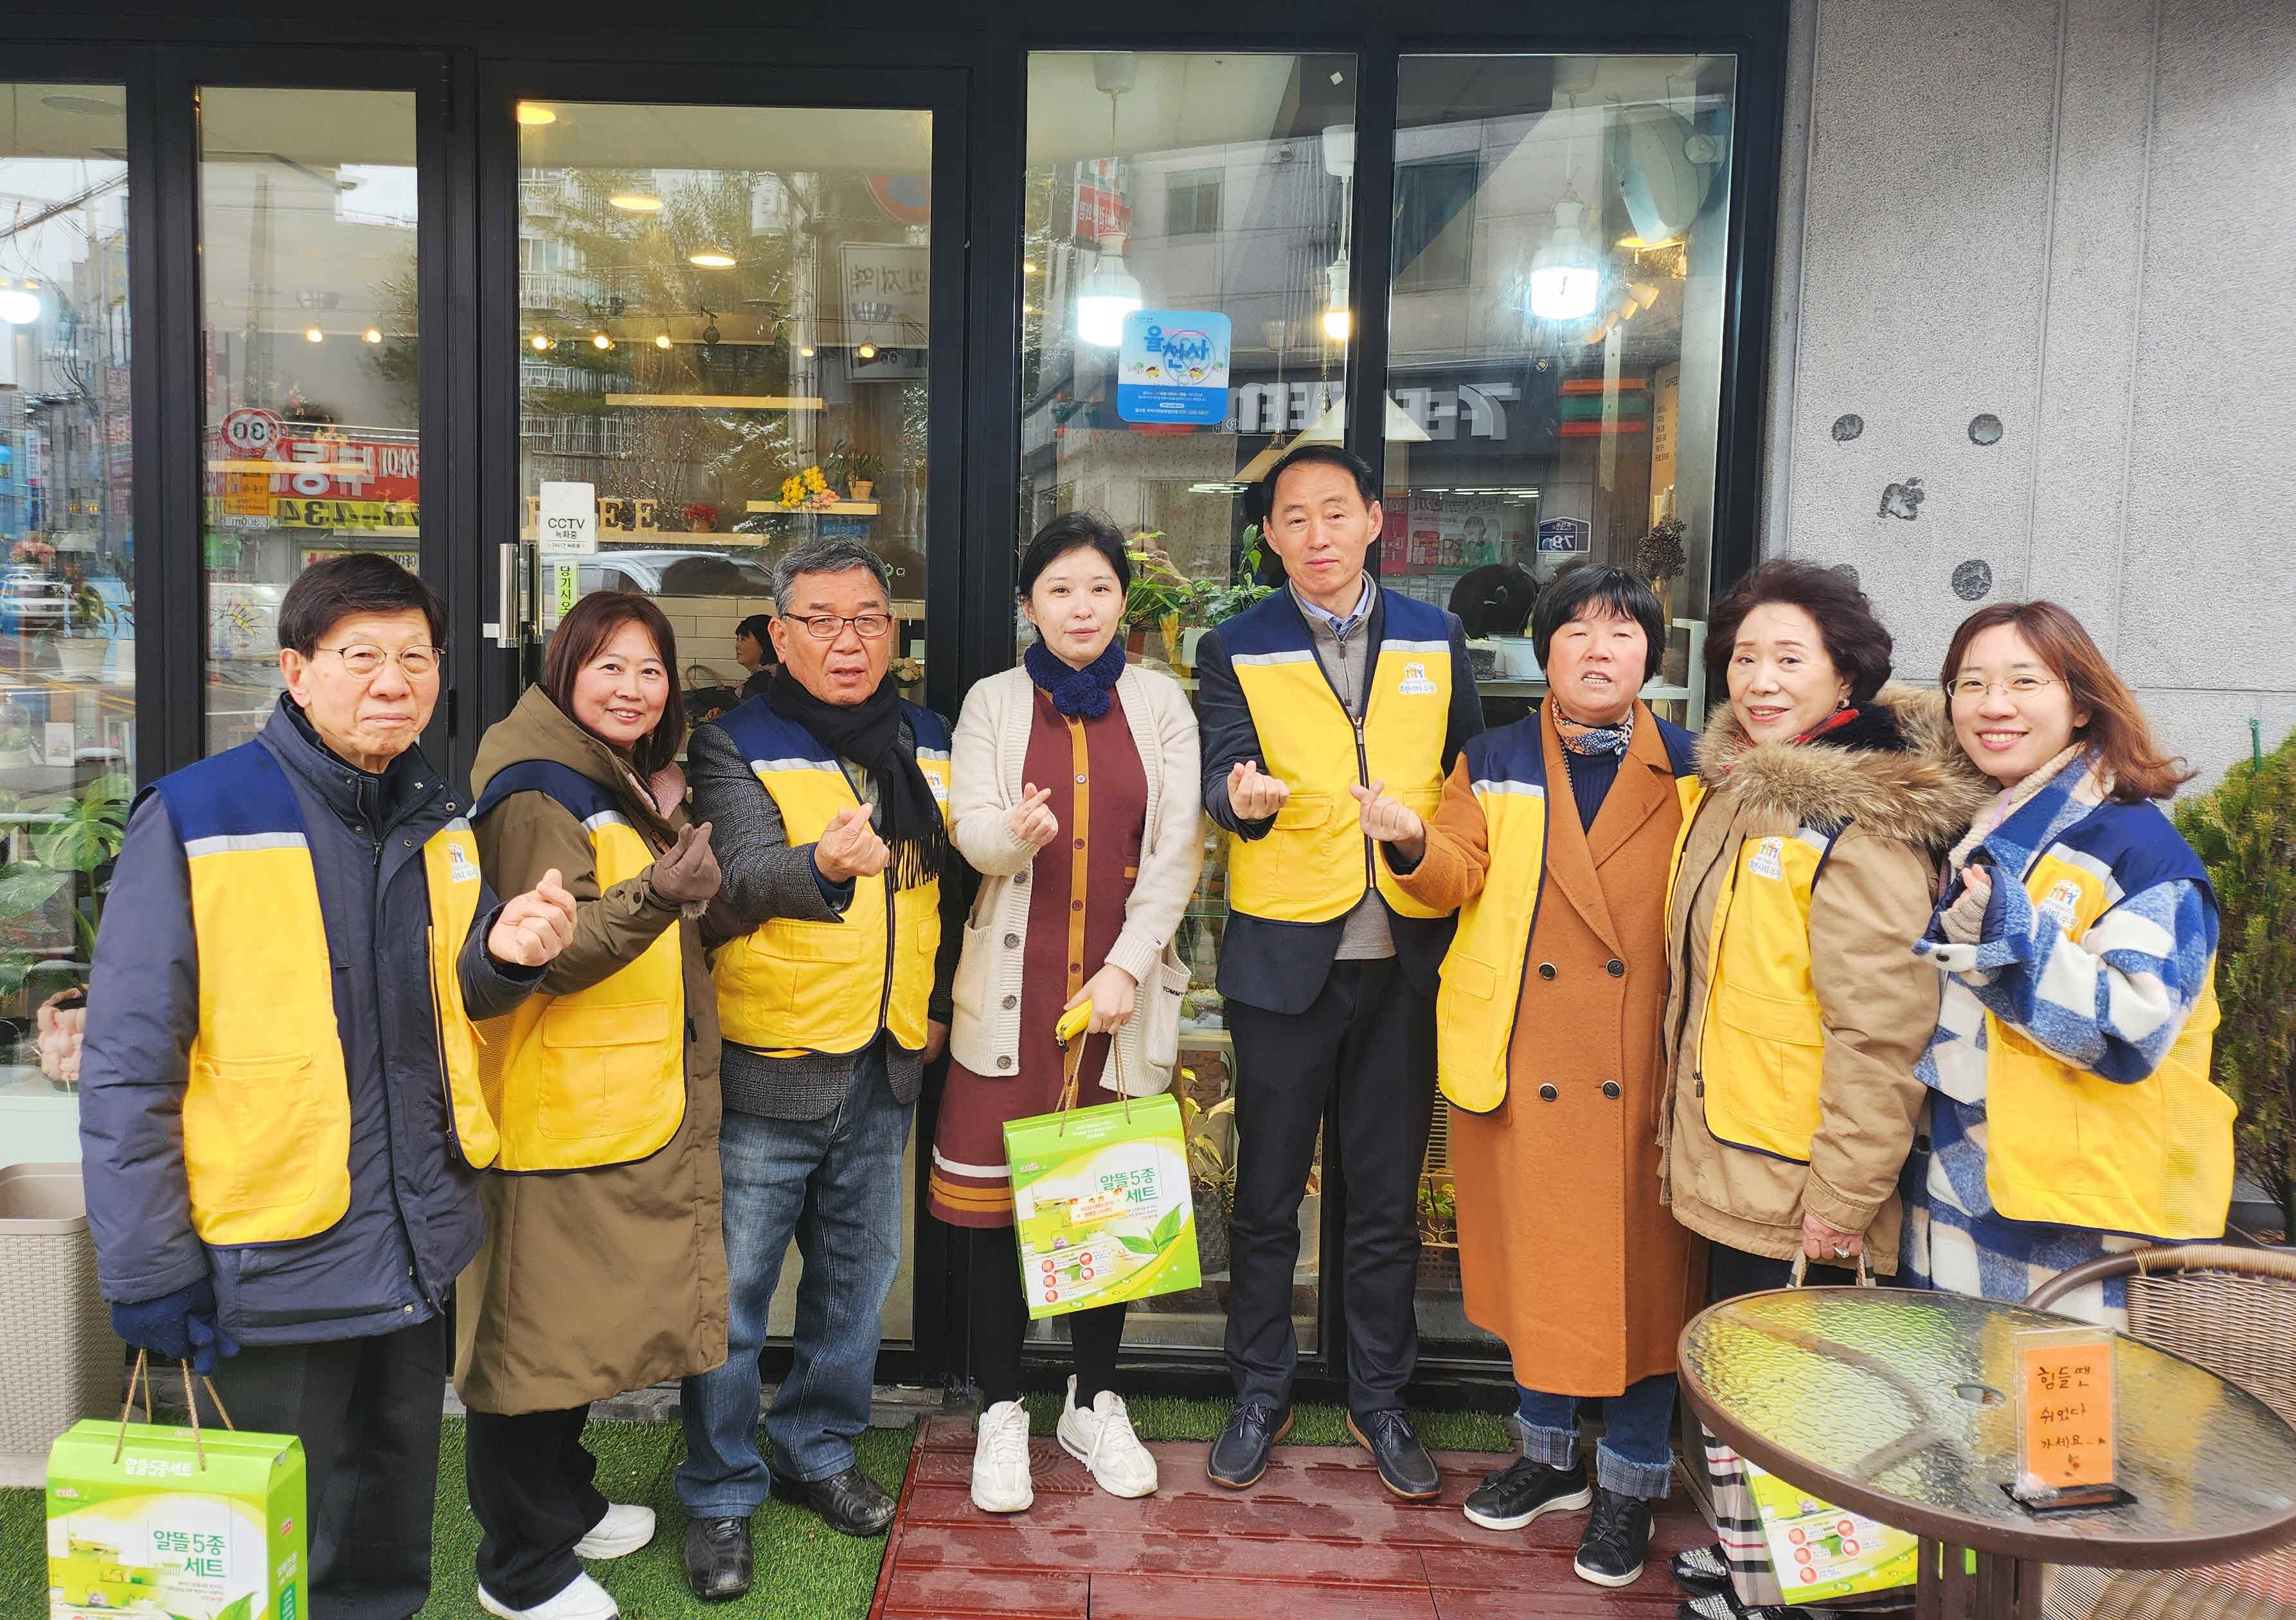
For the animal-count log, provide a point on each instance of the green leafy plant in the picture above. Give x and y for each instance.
(1438, 1210)
(2245, 829)
(1211, 1143)
(1160, 590)
(84, 837)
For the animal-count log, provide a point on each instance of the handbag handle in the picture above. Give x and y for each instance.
(1072, 1062)
(141, 1374)
(1801, 1269)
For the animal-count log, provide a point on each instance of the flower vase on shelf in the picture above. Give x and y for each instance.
(863, 489)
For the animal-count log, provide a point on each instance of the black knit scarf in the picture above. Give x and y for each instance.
(869, 734)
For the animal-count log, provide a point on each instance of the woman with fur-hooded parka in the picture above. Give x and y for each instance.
(1868, 807)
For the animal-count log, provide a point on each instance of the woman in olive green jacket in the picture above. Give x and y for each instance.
(593, 1280)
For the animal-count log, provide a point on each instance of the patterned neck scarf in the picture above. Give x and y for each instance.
(1592, 740)
(1833, 722)
(1076, 692)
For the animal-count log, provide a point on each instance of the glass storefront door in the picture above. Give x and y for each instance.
(724, 349)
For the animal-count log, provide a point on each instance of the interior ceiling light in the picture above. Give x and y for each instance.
(535, 113)
(19, 307)
(866, 351)
(1338, 323)
(711, 259)
(805, 351)
(662, 340)
(1027, 267)
(599, 339)
(1635, 244)
(540, 342)
(1565, 278)
(1105, 297)
(1340, 163)
(636, 202)
(371, 335)
(312, 334)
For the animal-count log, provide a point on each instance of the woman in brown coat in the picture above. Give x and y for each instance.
(1798, 1009)
(604, 1264)
(1553, 840)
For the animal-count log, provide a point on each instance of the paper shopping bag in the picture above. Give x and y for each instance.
(157, 1520)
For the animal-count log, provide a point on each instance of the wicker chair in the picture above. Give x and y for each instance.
(2233, 1311)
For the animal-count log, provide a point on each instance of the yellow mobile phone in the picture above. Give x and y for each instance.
(1072, 1022)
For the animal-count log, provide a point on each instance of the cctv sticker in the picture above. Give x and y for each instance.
(1769, 861)
(1416, 684)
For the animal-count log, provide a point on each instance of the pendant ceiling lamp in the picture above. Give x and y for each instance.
(1566, 276)
(1111, 292)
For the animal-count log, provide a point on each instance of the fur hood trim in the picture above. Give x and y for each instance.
(1923, 791)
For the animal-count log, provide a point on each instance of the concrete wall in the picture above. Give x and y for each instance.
(2078, 218)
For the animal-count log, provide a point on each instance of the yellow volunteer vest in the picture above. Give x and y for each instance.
(796, 986)
(1483, 972)
(597, 1077)
(1761, 1053)
(267, 1107)
(1315, 863)
(2067, 1146)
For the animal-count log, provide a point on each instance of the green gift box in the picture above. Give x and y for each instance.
(1101, 1206)
(162, 1521)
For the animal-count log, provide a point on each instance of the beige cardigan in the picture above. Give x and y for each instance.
(992, 742)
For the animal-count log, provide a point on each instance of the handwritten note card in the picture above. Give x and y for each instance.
(2066, 1400)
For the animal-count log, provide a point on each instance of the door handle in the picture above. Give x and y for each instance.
(506, 628)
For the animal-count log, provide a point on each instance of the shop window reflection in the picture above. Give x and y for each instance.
(1205, 198)
(67, 604)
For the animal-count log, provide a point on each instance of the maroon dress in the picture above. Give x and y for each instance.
(1078, 887)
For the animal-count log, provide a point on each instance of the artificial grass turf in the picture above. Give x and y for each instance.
(804, 1568)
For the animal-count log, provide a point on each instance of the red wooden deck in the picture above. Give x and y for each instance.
(1317, 1538)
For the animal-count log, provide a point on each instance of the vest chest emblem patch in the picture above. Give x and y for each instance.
(2063, 902)
(1769, 861)
(1416, 684)
(460, 867)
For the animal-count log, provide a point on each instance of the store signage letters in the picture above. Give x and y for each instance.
(1286, 407)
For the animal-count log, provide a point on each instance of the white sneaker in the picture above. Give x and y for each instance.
(622, 1531)
(1000, 1460)
(584, 1599)
(1103, 1440)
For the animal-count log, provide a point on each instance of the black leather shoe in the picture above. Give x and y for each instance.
(1611, 1551)
(1405, 1467)
(717, 1559)
(851, 1501)
(1511, 1497)
(1239, 1454)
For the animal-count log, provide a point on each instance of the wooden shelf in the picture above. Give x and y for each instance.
(858, 509)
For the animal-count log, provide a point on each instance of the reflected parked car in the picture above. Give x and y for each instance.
(32, 600)
(661, 571)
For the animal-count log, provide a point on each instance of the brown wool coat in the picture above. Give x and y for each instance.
(1564, 1250)
(1903, 807)
(593, 1282)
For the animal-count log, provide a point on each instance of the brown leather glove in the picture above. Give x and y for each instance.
(686, 872)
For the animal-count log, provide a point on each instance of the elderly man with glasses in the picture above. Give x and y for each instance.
(826, 795)
(280, 1118)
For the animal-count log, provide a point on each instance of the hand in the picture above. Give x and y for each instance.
(1978, 881)
(1391, 820)
(1114, 993)
(535, 926)
(1823, 1243)
(686, 872)
(849, 847)
(936, 1039)
(60, 1032)
(1252, 796)
(1030, 821)
(179, 1327)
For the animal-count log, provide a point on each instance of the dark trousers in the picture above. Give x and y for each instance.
(1368, 1040)
(529, 1477)
(367, 1412)
(998, 1325)
(1732, 1272)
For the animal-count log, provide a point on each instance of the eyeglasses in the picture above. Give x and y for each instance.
(829, 627)
(2016, 686)
(366, 662)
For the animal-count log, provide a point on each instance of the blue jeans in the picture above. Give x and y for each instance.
(1635, 1455)
(835, 1184)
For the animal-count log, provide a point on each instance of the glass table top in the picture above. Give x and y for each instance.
(1900, 1403)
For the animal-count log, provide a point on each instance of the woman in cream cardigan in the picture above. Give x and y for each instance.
(1075, 797)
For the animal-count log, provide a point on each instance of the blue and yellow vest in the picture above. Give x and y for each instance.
(596, 1077)
(1507, 768)
(1315, 863)
(792, 987)
(1762, 1050)
(266, 1109)
(2067, 1146)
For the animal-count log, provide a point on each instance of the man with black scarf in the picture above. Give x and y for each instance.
(825, 795)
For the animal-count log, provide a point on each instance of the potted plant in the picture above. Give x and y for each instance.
(1438, 1230)
(87, 617)
(1212, 1171)
(15, 735)
(701, 518)
(79, 843)
(862, 470)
